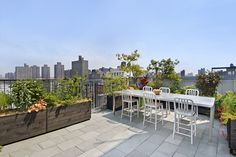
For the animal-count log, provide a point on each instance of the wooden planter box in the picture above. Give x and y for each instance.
(63, 116)
(22, 126)
(231, 130)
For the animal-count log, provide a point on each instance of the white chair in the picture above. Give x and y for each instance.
(151, 109)
(129, 105)
(193, 92)
(166, 90)
(185, 108)
(147, 88)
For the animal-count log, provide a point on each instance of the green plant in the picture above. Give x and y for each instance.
(207, 83)
(129, 66)
(70, 88)
(4, 101)
(183, 89)
(112, 84)
(226, 106)
(164, 70)
(26, 92)
(51, 99)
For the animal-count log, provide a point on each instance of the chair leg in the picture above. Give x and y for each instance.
(156, 118)
(174, 127)
(131, 112)
(168, 107)
(122, 110)
(138, 108)
(191, 124)
(144, 115)
(195, 126)
(178, 119)
(162, 114)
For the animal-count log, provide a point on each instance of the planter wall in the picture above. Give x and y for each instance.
(67, 115)
(231, 131)
(22, 126)
(25, 125)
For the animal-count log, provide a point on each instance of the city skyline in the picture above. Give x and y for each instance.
(200, 34)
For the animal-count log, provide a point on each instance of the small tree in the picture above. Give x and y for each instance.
(207, 83)
(129, 65)
(165, 70)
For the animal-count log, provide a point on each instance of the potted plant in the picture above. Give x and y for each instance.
(228, 117)
(207, 84)
(37, 111)
(111, 85)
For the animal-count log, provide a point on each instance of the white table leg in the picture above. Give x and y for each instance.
(212, 115)
(114, 103)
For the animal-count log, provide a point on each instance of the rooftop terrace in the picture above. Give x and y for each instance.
(109, 136)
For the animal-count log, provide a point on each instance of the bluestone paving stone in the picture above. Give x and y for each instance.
(136, 153)
(72, 152)
(167, 148)
(160, 154)
(47, 152)
(180, 155)
(108, 135)
(114, 153)
(147, 148)
(92, 153)
(47, 144)
(69, 144)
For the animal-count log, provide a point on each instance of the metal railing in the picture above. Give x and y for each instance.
(91, 89)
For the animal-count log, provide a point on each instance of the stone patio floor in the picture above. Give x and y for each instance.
(109, 136)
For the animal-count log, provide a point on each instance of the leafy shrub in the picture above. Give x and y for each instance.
(4, 101)
(112, 84)
(69, 88)
(226, 106)
(26, 92)
(182, 90)
(51, 99)
(207, 83)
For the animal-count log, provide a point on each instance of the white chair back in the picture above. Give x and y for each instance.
(184, 105)
(147, 88)
(126, 96)
(165, 89)
(193, 92)
(149, 98)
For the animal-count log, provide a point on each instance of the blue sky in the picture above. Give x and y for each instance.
(199, 33)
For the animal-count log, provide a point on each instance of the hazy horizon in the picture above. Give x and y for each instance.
(200, 34)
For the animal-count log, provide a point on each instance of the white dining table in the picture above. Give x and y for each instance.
(208, 102)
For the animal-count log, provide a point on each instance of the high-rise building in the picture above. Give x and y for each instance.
(24, 72)
(68, 73)
(182, 73)
(35, 71)
(59, 71)
(80, 67)
(45, 70)
(201, 71)
(9, 75)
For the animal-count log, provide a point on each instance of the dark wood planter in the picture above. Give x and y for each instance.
(231, 131)
(110, 102)
(63, 116)
(22, 126)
